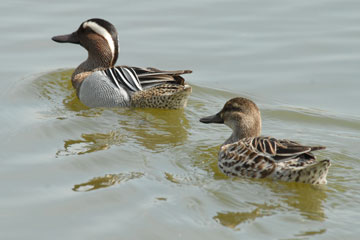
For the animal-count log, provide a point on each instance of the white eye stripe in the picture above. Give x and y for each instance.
(103, 32)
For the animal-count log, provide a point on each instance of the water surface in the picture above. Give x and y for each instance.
(69, 172)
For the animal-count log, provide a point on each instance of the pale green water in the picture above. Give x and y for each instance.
(68, 172)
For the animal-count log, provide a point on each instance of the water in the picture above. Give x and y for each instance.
(68, 172)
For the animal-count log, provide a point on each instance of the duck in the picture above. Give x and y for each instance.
(248, 154)
(99, 83)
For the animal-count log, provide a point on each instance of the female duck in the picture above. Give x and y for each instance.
(248, 154)
(99, 84)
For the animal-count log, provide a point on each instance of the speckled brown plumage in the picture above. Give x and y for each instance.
(247, 154)
(167, 96)
(264, 157)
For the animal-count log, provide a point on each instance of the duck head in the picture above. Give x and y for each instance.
(99, 38)
(241, 115)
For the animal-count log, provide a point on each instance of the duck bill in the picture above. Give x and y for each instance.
(68, 38)
(212, 119)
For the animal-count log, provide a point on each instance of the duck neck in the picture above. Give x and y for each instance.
(94, 61)
(235, 136)
(244, 131)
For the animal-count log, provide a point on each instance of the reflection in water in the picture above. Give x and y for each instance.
(311, 233)
(171, 178)
(206, 159)
(53, 84)
(150, 128)
(233, 219)
(161, 199)
(183, 179)
(56, 87)
(90, 143)
(154, 129)
(106, 181)
(306, 198)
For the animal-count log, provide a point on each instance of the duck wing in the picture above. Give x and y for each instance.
(124, 77)
(137, 79)
(150, 77)
(281, 149)
(257, 157)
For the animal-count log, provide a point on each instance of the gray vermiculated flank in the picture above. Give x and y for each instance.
(97, 90)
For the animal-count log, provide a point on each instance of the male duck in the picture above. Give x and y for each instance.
(248, 154)
(99, 84)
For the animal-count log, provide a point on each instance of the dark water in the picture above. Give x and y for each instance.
(69, 172)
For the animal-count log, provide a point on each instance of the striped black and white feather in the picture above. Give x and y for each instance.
(136, 79)
(123, 76)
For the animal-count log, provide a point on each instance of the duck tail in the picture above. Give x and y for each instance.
(315, 173)
(315, 148)
(176, 72)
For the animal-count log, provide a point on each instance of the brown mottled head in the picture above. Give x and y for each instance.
(241, 115)
(97, 36)
(240, 104)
